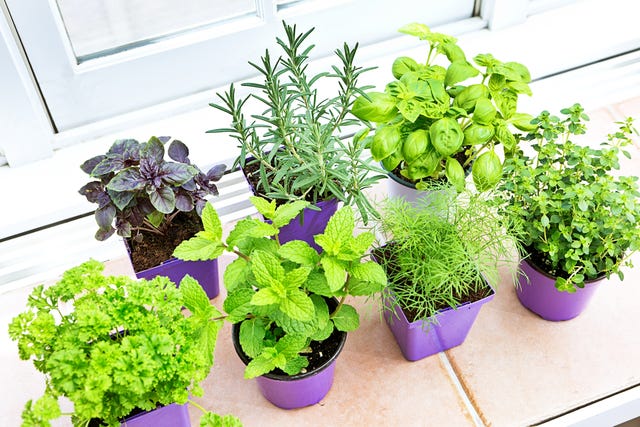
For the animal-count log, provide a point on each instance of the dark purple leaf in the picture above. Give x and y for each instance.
(124, 229)
(177, 173)
(145, 206)
(135, 216)
(120, 198)
(128, 179)
(152, 151)
(163, 200)
(107, 166)
(200, 204)
(105, 216)
(123, 148)
(190, 185)
(184, 202)
(104, 233)
(88, 166)
(92, 191)
(164, 139)
(179, 152)
(216, 172)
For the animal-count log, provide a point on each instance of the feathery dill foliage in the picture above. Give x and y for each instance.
(295, 142)
(439, 250)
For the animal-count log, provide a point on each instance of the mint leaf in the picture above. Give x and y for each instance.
(285, 213)
(260, 365)
(266, 269)
(297, 305)
(251, 337)
(211, 221)
(237, 304)
(294, 279)
(266, 296)
(194, 297)
(265, 208)
(334, 273)
(295, 365)
(346, 319)
(198, 248)
(299, 252)
(235, 274)
(249, 228)
(317, 284)
(366, 279)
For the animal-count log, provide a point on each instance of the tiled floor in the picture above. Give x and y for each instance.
(513, 369)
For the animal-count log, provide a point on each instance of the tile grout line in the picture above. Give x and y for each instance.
(475, 416)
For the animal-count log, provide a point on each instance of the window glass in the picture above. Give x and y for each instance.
(100, 27)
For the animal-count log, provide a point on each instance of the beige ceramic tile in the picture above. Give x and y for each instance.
(373, 385)
(519, 369)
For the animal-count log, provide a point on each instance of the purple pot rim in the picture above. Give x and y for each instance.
(235, 331)
(539, 270)
(418, 322)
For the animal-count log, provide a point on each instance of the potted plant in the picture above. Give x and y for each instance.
(438, 121)
(576, 219)
(293, 149)
(441, 255)
(119, 349)
(286, 301)
(153, 203)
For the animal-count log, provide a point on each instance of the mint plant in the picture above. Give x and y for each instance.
(112, 344)
(136, 189)
(293, 149)
(278, 293)
(575, 217)
(436, 121)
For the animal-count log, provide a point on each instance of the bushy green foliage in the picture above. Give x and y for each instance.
(111, 344)
(440, 250)
(570, 210)
(295, 142)
(435, 122)
(277, 292)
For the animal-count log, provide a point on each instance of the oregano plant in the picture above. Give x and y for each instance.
(575, 216)
(113, 344)
(278, 292)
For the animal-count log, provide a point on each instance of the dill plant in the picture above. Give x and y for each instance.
(442, 251)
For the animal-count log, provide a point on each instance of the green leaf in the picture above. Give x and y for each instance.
(299, 252)
(209, 419)
(295, 365)
(285, 213)
(267, 209)
(334, 272)
(249, 228)
(298, 306)
(266, 268)
(266, 296)
(236, 274)
(237, 304)
(252, 333)
(459, 71)
(415, 29)
(259, 366)
(211, 222)
(198, 248)
(340, 227)
(378, 108)
(346, 319)
(295, 278)
(370, 273)
(194, 297)
(155, 218)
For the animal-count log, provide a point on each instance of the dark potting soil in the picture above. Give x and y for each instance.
(153, 249)
(384, 255)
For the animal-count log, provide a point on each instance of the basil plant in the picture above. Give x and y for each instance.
(436, 121)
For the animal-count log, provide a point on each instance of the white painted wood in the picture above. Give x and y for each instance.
(23, 117)
(503, 13)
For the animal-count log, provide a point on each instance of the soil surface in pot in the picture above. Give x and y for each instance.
(153, 249)
(384, 256)
(460, 157)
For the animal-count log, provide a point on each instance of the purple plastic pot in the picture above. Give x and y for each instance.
(172, 415)
(295, 391)
(313, 222)
(205, 272)
(540, 295)
(423, 338)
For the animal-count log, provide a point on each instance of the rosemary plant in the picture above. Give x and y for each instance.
(294, 149)
(442, 251)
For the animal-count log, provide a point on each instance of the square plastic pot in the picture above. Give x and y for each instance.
(205, 272)
(420, 339)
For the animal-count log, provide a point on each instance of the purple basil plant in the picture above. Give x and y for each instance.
(137, 189)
